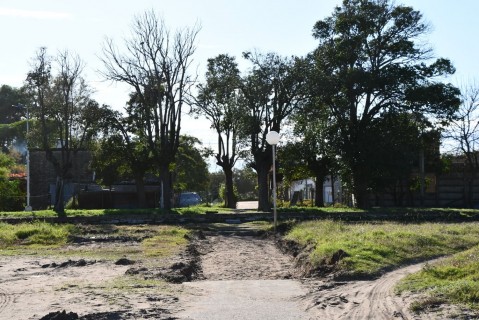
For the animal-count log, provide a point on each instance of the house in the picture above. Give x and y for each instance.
(305, 190)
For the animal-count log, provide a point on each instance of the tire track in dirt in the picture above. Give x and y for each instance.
(371, 299)
(5, 299)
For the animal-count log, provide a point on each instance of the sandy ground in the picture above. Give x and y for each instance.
(30, 291)
(241, 277)
(374, 299)
(32, 287)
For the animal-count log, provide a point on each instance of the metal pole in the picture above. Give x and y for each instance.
(274, 188)
(28, 207)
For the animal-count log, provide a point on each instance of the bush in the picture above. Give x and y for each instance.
(11, 196)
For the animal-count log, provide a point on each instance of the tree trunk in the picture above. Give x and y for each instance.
(263, 188)
(167, 188)
(319, 192)
(230, 201)
(333, 191)
(360, 191)
(59, 206)
(140, 191)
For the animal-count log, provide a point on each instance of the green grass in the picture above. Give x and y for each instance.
(167, 241)
(371, 248)
(34, 234)
(54, 239)
(194, 210)
(454, 280)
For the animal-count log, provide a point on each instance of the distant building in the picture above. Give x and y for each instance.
(43, 177)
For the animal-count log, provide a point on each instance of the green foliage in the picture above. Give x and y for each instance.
(11, 195)
(453, 280)
(371, 60)
(10, 100)
(191, 169)
(246, 183)
(222, 192)
(371, 248)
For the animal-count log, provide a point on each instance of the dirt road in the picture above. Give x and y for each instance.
(247, 277)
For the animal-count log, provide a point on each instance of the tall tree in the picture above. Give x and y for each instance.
(218, 100)
(155, 64)
(64, 110)
(273, 89)
(371, 59)
(463, 132)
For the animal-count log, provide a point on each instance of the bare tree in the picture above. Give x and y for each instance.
(155, 64)
(463, 132)
(65, 112)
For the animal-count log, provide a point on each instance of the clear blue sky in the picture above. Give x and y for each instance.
(228, 26)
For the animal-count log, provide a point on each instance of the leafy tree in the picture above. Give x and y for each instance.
(217, 100)
(396, 155)
(64, 110)
(371, 59)
(12, 116)
(10, 99)
(310, 155)
(215, 181)
(245, 180)
(272, 89)
(155, 65)
(121, 153)
(190, 168)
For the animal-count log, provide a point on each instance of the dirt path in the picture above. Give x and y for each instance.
(244, 258)
(246, 278)
(364, 299)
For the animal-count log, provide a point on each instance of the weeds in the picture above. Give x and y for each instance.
(372, 247)
(454, 279)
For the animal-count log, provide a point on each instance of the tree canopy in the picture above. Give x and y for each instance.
(372, 59)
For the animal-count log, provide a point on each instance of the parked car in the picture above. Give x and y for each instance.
(186, 199)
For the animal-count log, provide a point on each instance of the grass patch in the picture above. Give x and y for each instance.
(455, 280)
(114, 242)
(193, 210)
(366, 249)
(34, 234)
(167, 241)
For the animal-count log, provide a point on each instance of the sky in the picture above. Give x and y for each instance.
(227, 26)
